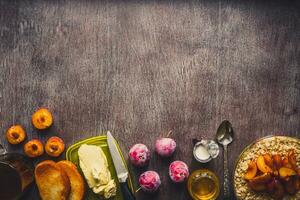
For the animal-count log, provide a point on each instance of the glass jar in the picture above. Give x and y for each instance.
(203, 184)
(16, 175)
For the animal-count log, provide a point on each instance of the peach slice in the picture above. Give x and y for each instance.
(251, 171)
(15, 134)
(262, 166)
(277, 161)
(54, 146)
(269, 160)
(33, 148)
(42, 119)
(262, 179)
(285, 172)
(292, 159)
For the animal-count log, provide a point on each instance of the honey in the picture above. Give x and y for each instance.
(203, 185)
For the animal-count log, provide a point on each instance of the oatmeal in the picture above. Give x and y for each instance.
(272, 145)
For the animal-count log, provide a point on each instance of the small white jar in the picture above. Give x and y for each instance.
(205, 150)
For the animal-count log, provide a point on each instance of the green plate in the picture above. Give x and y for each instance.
(101, 141)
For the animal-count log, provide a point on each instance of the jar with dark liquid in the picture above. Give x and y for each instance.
(16, 175)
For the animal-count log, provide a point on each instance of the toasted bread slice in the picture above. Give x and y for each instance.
(52, 182)
(76, 180)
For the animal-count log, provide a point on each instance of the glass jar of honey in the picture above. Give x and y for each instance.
(203, 184)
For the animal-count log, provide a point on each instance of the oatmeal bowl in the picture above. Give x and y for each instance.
(268, 169)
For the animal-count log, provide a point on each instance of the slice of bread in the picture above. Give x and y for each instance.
(52, 181)
(76, 180)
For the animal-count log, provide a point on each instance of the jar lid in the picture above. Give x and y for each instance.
(205, 150)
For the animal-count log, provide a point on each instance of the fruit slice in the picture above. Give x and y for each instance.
(54, 146)
(15, 134)
(292, 159)
(269, 160)
(285, 172)
(33, 148)
(251, 171)
(42, 119)
(262, 179)
(262, 166)
(277, 161)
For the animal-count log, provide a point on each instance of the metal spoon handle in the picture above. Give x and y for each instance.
(226, 175)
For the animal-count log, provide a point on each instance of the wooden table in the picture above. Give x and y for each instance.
(140, 69)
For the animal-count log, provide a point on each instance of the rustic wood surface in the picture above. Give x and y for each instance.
(141, 68)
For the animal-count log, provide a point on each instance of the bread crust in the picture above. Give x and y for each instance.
(76, 180)
(52, 181)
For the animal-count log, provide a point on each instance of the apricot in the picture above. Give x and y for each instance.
(42, 119)
(15, 134)
(54, 146)
(285, 172)
(277, 160)
(251, 171)
(262, 179)
(292, 159)
(262, 166)
(269, 160)
(33, 148)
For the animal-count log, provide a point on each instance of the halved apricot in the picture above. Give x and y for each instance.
(15, 134)
(285, 172)
(33, 148)
(54, 146)
(262, 166)
(251, 171)
(42, 119)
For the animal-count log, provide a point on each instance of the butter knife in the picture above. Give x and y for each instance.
(121, 170)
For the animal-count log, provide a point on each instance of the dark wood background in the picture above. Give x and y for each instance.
(140, 68)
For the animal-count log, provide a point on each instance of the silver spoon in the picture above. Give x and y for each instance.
(225, 137)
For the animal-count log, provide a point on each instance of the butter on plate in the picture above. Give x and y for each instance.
(94, 166)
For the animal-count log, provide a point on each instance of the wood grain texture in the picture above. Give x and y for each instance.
(141, 68)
